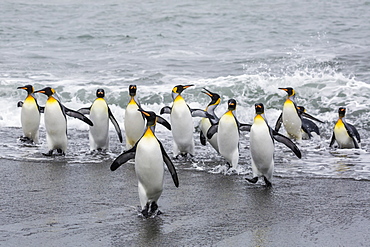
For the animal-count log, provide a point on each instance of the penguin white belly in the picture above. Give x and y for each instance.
(134, 125)
(149, 170)
(291, 121)
(342, 137)
(99, 133)
(30, 119)
(56, 126)
(262, 150)
(228, 139)
(182, 128)
(205, 124)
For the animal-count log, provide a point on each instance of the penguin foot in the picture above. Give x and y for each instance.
(26, 140)
(268, 183)
(60, 152)
(145, 212)
(253, 180)
(50, 153)
(153, 207)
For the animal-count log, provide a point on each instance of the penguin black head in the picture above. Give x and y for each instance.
(179, 88)
(100, 93)
(301, 109)
(289, 90)
(231, 104)
(48, 91)
(215, 98)
(260, 109)
(342, 112)
(28, 88)
(150, 117)
(132, 90)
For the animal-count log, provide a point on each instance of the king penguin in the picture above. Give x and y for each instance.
(30, 116)
(100, 114)
(149, 156)
(291, 118)
(134, 119)
(182, 122)
(345, 134)
(56, 121)
(228, 129)
(206, 123)
(262, 147)
(308, 126)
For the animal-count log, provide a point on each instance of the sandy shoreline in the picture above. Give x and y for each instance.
(61, 204)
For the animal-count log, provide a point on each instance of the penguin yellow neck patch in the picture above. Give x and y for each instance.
(29, 99)
(148, 133)
(132, 101)
(339, 124)
(178, 98)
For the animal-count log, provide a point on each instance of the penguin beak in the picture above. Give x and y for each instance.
(40, 91)
(209, 93)
(187, 86)
(21, 88)
(143, 112)
(285, 89)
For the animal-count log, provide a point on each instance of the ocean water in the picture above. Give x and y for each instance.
(244, 50)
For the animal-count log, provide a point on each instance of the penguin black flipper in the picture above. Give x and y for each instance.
(212, 130)
(78, 115)
(20, 104)
(164, 122)
(310, 127)
(200, 113)
(115, 124)
(85, 111)
(353, 131)
(304, 114)
(203, 139)
(287, 142)
(332, 140)
(169, 165)
(123, 158)
(278, 123)
(166, 110)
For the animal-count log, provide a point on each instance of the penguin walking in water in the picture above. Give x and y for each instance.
(291, 118)
(30, 116)
(56, 122)
(262, 147)
(228, 129)
(206, 123)
(182, 122)
(308, 126)
(345, 134)
(100, 114)
(149, 156)
(134, 119)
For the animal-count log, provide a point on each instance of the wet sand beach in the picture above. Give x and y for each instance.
(55, 203)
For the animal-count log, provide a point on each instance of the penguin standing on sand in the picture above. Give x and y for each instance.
(206, 123)
(30, 116)
(182, 122)
(100, 114)
(56, 122)
(227, 129)
(134, 119)
(149, 156)
(291, 117)
(345, 134)
(262, 147)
